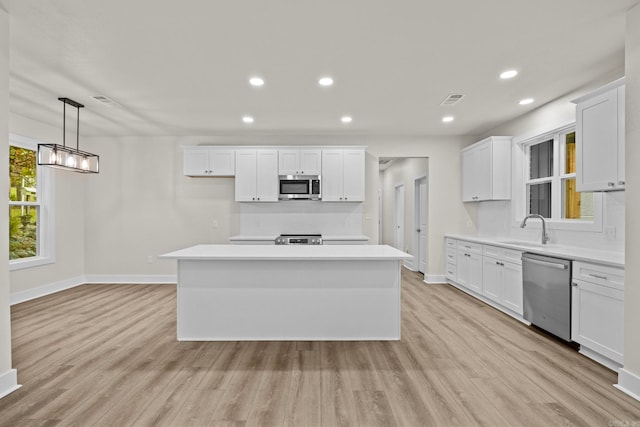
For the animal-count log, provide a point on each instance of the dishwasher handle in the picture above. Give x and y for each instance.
(557, 265)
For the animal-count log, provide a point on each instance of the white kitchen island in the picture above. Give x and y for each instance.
(290, 292)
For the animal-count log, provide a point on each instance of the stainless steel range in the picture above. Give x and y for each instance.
(299, 239)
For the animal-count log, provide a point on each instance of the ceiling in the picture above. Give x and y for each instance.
(182, 67)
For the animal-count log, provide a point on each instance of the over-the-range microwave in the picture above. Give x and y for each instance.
(300, 187)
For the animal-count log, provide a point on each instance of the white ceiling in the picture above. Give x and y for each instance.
(182, 67)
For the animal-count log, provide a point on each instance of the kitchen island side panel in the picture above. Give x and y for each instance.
(230, 300)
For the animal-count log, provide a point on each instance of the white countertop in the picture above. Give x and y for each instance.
(267, 237)
(614, 259)
(289, 252)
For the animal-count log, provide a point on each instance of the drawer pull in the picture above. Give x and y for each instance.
(597, 276)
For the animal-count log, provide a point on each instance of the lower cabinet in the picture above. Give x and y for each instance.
(469, 266)
(502, 277)
(597, 311)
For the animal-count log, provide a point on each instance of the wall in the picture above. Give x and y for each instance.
(68, 268)
(8, 376)
(630, 376)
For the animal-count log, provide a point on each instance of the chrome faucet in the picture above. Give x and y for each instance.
(545, 236)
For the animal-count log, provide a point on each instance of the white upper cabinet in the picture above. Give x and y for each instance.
(300, 161)
(257, 175)
(600, 136)
(208, 161)
(486, 170)
(343, 175)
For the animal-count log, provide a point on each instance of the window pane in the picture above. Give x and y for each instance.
(22, 174)
(540, 199)
(23, 225)
(541, 160)
(570, 153)
(576, 205)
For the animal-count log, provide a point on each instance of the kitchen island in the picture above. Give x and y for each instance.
(290, 292)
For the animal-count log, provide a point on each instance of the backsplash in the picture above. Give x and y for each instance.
(496, 219)
(301, 216)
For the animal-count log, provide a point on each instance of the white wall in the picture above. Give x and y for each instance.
(632, 252)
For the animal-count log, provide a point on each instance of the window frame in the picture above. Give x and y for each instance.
(521, 180)
(45, 201)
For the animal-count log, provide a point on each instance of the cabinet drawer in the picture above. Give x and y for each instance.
(504, 254)
(599, 274)
(450, 243)
(451, 256)
(451, 271)
(474, 248)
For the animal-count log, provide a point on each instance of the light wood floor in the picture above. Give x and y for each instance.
(107, 355)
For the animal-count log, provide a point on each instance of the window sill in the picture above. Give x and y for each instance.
(566, 225)
(19, 264)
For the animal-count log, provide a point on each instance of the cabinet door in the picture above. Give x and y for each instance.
(511, 296)
(353, 175)
(475, 272)
(597, 318)
(476, 173)
(289, 162)
(462, 269)
(621, 136)
(222, 162)
(246, 175)
(332, 179)
(310, 162)
(491, 278)
(195, 162)
(597, 142)
(267, 175)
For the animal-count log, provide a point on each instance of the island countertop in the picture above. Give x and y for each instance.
(288, 252)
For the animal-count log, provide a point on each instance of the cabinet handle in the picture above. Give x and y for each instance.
(345, 198)
(574, 284)
(597, 276)
(301, 172)
(611, 184)
(620, 182)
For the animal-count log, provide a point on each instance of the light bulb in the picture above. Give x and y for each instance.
(71, 161)
(85, 163)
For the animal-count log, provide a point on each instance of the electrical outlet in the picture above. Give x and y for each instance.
(610, 232)
(150, 259)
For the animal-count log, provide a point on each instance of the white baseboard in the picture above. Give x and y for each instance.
(9, 382)
(134, 278)
(50, 288)
(408, 263)
(628, 383)
(433, 279)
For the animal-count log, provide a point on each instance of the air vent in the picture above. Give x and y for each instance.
(452, 99)
(107, 101)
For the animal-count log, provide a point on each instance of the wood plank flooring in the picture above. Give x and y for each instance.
(106, 355)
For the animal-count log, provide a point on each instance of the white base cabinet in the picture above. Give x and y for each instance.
(597, 312)
(469, 266)
(502, 277)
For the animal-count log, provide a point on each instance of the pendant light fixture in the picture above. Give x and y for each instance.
(68, 158)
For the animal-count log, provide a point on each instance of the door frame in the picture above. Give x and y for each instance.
(398, 216)
(419, 203)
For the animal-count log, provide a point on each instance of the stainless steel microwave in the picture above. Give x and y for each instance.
(300, 187)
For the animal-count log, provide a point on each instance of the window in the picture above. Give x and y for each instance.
(30, 205)
(550, 180)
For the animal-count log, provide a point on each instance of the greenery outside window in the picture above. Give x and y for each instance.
(30, 206)
(549, 167)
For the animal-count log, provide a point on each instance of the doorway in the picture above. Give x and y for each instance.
(398, 217)
(420, 220)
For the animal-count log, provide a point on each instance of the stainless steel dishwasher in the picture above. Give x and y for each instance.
(547, 293)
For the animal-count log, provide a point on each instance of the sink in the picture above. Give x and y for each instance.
(522, 243)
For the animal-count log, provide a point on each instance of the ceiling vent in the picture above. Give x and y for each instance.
(107, 101)
(452, 99)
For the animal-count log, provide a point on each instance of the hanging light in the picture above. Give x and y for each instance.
(68, 158)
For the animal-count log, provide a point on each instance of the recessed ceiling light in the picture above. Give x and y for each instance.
(509, 74)
(346, 119)
(526, 101)
(256, 81)
(325, 81)
(447, 119)
(247, 119)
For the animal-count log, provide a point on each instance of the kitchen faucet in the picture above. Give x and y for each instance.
(545, 236)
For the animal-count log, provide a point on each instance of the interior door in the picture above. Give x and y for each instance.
(422, 229)
(398, 201)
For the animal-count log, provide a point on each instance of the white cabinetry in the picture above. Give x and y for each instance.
(597, 312)
(486, 170)
(600, 139)
(257, 175)
(502, 277)
(343, 175)
(207, 161)
(300, 161)
(452, 258)
(469, 266)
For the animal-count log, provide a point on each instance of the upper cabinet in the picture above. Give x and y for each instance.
(343, 175)
(486, 170)
(208, 161)
(600, 138)
(301, 161)
(256, 175)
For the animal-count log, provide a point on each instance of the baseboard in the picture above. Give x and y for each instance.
(433, 279)
(407, 263)
(50, 288)
(9, 382)
(133, 278)
(628, 383)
